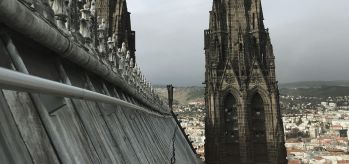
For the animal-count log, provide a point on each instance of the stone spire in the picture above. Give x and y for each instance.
(243, 121)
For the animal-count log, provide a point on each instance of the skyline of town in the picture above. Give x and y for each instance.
(316, 128)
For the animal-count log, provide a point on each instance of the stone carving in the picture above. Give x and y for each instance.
(128, 56)
(79, 18)
(111, 51)
(132, 64)
(115, 40)
(93, 8)
(60, 10)
(101, 39)
(123, 47)
(229, 78)
(85, 24)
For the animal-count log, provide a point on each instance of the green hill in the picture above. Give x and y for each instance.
(324, 91)
(183, 95)
(314, 84)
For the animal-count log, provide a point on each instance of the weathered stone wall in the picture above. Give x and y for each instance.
(38, 128)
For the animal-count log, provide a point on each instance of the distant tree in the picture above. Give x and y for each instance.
(292, 133)
(297, 134)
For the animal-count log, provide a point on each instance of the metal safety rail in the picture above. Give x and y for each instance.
(13, 80)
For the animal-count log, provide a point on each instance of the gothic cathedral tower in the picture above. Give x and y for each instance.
(243, 122)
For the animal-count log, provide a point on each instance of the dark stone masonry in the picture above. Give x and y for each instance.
(243, 123)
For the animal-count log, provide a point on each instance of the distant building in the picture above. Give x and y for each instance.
(325, 104)
(314, 132)
(294, 161)
(332, 105)
(343, 133)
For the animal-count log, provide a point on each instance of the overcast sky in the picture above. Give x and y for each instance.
(310, 38)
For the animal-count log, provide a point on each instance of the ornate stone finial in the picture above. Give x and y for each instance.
(119, 55)
(132, 63)
(139, 72)
(143, 79)
(139, 79)
(85, 24)
(68, 8)
(32, 6)
(134, 70)
(85, 12)
(101, 37)
(144, 86)
(127, 64)
(93, 8)
(110, 44)
(148, 86)
(121, 62)
(123, 48)
(110, 40)
(115, 60)
(110, 50)
(101, 47)
(115, 39)
(102, 25)
(132, 75)
(135, 75)
(60, 9)
(128, 56)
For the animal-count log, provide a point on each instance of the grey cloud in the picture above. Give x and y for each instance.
(309, 37)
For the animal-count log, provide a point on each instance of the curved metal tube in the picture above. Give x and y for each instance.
(22, 82)
(23, 20)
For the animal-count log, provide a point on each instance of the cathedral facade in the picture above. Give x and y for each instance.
(243, 121)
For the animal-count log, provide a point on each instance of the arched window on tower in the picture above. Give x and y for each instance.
(258, 130)
(231, 128)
